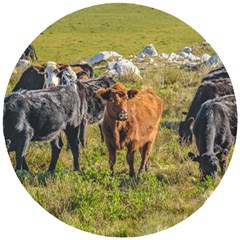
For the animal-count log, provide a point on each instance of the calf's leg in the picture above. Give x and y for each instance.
(145, 153)
(56, 145)
(101, 132)
(83, 128)
(130, 160)
(23, 140)
(112, 157)
(73, 139)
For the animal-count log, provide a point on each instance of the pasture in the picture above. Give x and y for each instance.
(92, 200)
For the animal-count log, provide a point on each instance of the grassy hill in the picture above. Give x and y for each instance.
(92, 200)
(123, 28)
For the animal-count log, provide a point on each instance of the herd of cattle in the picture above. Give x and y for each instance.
(54, 98)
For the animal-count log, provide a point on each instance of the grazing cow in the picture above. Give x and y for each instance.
(215, 130)
(207, 90)
(29, 52)
(131, 119)
(42, 115)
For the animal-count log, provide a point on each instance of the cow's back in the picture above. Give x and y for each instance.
(145, 111)
(44, 112)
(217, 118)
(219, 73)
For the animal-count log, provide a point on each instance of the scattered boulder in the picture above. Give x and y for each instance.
(163, 55)
(103, 56)
(122, 67)
(193, 58)
(23, 63)
(187, 50)
(204, 58)
(214, 61)
(174, 56)
(141, 55)
(183, 55)
(149, 50)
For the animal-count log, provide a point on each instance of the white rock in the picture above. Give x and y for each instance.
(103, 56)
(141, 55)
(193, 58)
(187, 50)
(214, 60)
(150, 50)
(123, 67)
(110, 65)
(22, 63)
(173, 56)
(204, 58)
(183, 55)
(163, 55)
(151, 60)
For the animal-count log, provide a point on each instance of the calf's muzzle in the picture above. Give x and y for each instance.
(123, 116)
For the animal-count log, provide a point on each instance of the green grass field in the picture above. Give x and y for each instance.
(93, 200)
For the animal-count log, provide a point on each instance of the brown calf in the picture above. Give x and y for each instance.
(131, 119)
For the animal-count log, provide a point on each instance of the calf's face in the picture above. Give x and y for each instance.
(207, 164)
(117, 101)
(68, 76)
(51, 76)
(50, 72)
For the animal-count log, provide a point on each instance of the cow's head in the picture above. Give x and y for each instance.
(185, 131)
(50, 71)
(207, 163)
(117, 97)
(67, 76)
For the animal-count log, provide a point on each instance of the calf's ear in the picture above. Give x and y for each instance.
(62, 67)
(224, 155)
(104, 93)
(191, 122)
(39, 68)
(132, 93)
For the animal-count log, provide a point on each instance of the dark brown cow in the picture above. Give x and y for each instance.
(131, 119)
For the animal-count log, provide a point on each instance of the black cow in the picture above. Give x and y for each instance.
(29, 53)
(93, 103)
(42, 115)
(30, 80)
(215, 130)
(219, 73)
(207, 90)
